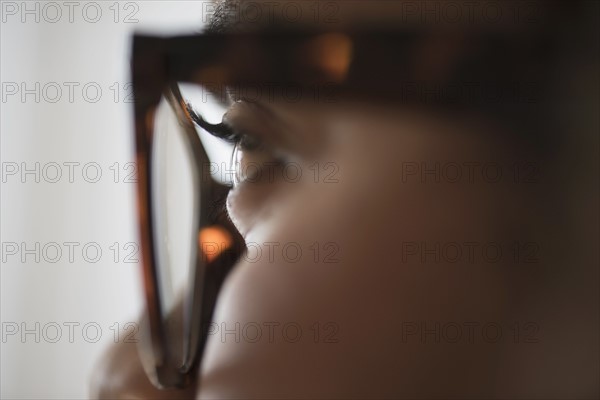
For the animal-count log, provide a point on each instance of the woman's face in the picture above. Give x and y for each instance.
(370, 217)
(394, 240)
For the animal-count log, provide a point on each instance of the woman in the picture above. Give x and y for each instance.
(434, 242)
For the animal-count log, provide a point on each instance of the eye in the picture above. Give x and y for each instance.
(221, 130)
(255, 162)
(253, 159)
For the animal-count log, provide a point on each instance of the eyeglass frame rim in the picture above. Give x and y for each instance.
(146, 100)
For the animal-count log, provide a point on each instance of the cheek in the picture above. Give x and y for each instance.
(275, 194)
(252, 203)
(239, 208)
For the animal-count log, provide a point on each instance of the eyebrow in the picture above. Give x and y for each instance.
(226, 18)
(221, 21)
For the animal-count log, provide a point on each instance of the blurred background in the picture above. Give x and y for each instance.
(69, 276)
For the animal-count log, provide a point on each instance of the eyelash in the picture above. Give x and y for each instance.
(225, 132)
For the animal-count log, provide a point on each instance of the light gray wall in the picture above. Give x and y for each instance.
(58, 293)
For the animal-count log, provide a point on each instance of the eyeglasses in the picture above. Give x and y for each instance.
(186, 246)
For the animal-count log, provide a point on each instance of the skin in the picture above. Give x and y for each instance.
(372, 294)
